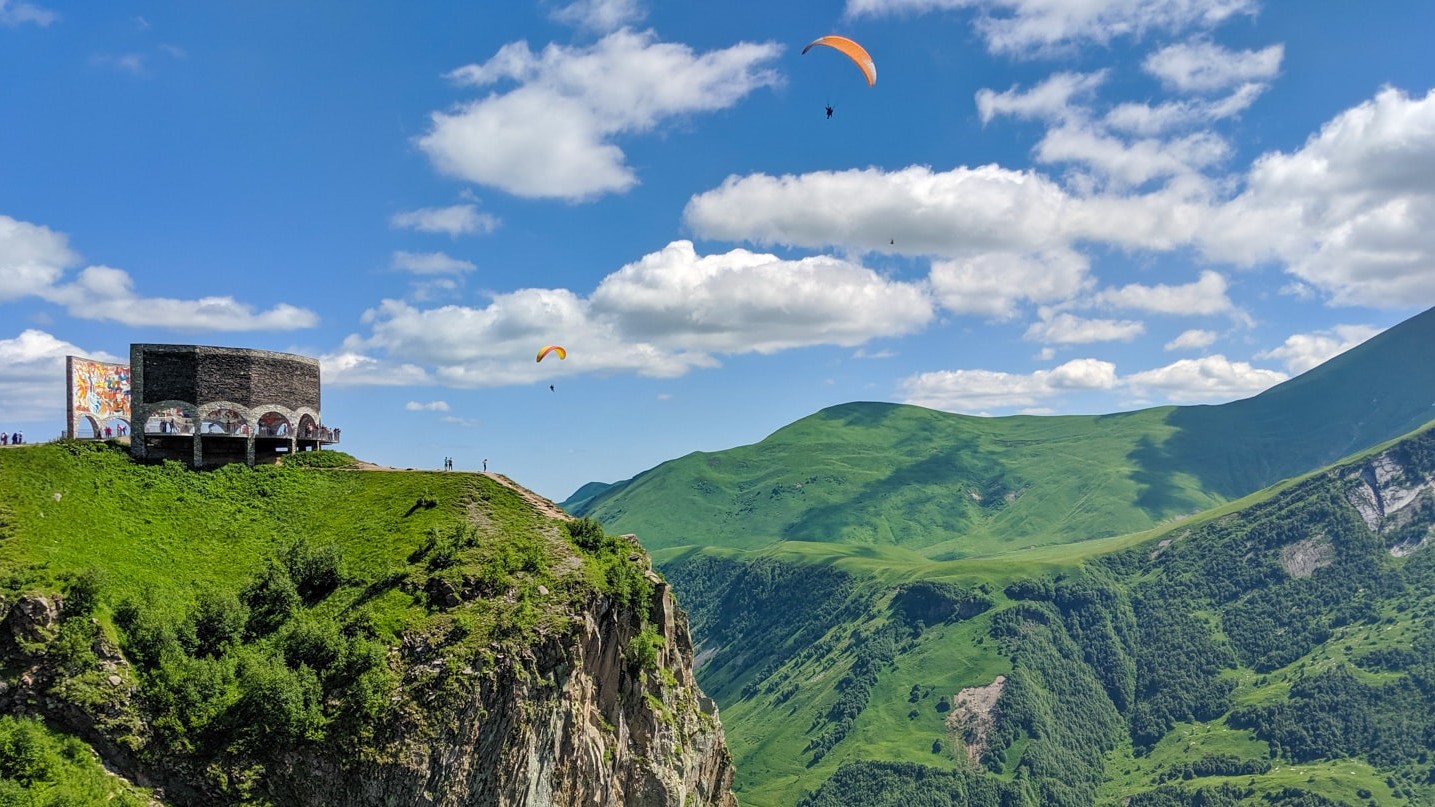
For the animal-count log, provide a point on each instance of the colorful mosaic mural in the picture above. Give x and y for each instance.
(99, 390)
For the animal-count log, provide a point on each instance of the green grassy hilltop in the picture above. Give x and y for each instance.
(951, 486)
(217, 625)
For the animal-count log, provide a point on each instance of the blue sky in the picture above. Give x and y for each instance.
(1041, 207)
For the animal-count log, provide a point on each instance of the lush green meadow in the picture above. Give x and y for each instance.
(260, 608)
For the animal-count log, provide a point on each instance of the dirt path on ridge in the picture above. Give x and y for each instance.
(542, 505)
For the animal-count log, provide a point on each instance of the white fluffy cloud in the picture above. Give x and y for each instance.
(663, 315)
(981, 390)
(453, 220)
(1069, 329)
(600, 15)
(1351, 212)
(552, 135)
(1202, 66)
(1210, 379)
(994, 283)
(19, 12)
(35, 259)
(431, 406)
(32, 386)
(429, 263)
(1130, 163)
(741, 301)
(1052, 99)
(956, 213)
(1024, 27)
(1193, 339)
(1302, 351)
(105, 293)
(32, 258)
(1207, 295)
(1153, 119)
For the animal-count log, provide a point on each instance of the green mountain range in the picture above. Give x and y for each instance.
(1177, 606)
(951, 486)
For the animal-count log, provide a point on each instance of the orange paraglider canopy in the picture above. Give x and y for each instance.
(854, 51)
(546, 349)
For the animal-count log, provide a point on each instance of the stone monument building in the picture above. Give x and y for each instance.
(210, 406)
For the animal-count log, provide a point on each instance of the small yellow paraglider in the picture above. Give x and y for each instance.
(546, 349)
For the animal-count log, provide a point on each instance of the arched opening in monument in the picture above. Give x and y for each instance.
(114, 427)
(308, 429)
(172, 420)
(86, 428)
(273, 424)
(224, 421)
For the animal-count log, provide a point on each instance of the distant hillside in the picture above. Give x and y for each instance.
(587, 492)
(952, 485)
(1276, 652)
(328, 636)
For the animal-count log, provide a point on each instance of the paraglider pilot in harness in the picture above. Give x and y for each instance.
(829, 110)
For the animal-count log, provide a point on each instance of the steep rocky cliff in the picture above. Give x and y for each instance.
(478, 649)
(575, 720)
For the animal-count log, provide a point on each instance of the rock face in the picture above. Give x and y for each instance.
(1388, 498)
(578, 719)
(571, 723)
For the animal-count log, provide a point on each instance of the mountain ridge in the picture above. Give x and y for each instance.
(882, 473)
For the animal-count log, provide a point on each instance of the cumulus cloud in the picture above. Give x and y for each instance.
(994, 283)
(1210, 379)
(552, 135)
(1207, 295)
(981, 390)
(1154, 119)
(1051, 99)
(1027, 27)
(453, 220)
(1193, 339)
(1350, 215)
(348, 367)
(32, 387)
(18, 12)
(660, 316)
(429, 263)
(32, 258)
(34, 262)
(1202, 66)
(105, 293)
(960, 212)
(431, 406)
(600, 15)
(1130, 163)
(1069, 329)
(1303, 351)
(1351, 212)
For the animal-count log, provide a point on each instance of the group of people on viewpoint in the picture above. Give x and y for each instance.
(448, 464)
(13, 439)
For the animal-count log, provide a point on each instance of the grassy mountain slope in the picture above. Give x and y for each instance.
(952, 486)
(1276, 650)
(230, 633)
